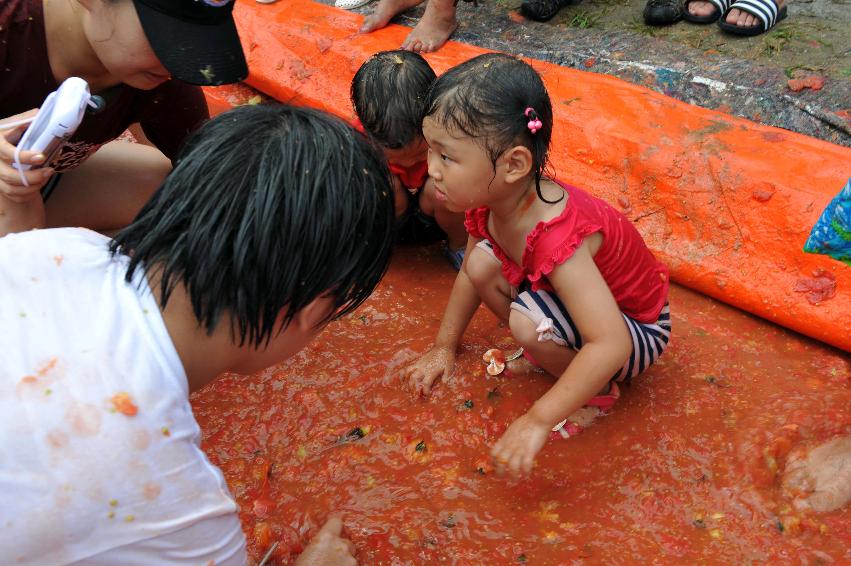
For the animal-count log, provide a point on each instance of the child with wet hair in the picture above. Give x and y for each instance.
(274, 221)
(388, 92)
(569, 274)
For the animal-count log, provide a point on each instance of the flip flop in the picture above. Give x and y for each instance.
(542, 10)
(350, 4)
(603, 403)
(721, 7)
(765, 11)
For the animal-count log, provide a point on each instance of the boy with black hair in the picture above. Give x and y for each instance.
(387, 93)
(274, 221)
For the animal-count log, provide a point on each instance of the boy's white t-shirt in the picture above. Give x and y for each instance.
(100, 458)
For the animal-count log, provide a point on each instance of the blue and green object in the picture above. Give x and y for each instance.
(832, 233)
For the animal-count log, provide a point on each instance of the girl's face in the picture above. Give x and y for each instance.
(464, 175)
(116, 37)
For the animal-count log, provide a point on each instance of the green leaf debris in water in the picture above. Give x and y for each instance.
(355, 434)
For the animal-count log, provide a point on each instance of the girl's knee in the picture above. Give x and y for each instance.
(523, 329)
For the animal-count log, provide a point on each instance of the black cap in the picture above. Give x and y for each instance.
(195, 40)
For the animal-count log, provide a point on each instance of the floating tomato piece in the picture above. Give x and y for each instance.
(263, 507)
(379, 548)
(495, 367)
(263, 535)
(819, 288)
(123, 403)
(289, 543)
(484, 466)
(494, 354)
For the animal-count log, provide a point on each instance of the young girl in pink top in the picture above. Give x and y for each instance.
(571, 275)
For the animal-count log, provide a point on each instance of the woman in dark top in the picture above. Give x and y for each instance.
(144, 58)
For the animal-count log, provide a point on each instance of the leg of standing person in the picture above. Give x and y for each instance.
(386, 11)
(434, 28)
(431, 32)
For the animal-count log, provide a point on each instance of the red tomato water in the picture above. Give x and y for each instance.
(684, 469)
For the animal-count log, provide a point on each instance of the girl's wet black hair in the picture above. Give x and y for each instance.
(268, 208)
(388, 93)
(486, 98)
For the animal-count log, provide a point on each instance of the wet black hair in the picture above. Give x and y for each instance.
(268, 208)
(388, 93)
(486, 99)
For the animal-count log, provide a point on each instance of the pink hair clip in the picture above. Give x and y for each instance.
(534, 123)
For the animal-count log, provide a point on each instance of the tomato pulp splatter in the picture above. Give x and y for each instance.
(684, 469)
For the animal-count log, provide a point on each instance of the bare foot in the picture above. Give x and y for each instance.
(701, 8)
(386, 11)
(329, 547)
(434, 28)
(821, 480)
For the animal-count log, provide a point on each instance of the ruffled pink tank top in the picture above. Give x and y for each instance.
(638, 281)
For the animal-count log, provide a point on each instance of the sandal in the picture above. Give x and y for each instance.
(663, 12)
(603, 403)
(765, 11)
(542, 10)
(720, 8)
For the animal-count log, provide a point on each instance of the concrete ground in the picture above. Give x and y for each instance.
(748, 77)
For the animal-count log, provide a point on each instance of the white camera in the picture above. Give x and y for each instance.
(56, 121)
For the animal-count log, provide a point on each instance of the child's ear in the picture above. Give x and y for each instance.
(310, 318)
(518, 163)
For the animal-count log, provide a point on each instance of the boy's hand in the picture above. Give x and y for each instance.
(421, 374)
(329, 547)
(515, 452)
(11, 186)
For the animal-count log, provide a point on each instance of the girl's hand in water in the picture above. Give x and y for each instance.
(329, 547)
(515, 452)
(421, 374)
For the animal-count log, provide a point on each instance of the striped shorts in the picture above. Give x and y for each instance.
(553, 322)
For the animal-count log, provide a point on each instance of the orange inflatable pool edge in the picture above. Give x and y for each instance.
(725, 202)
